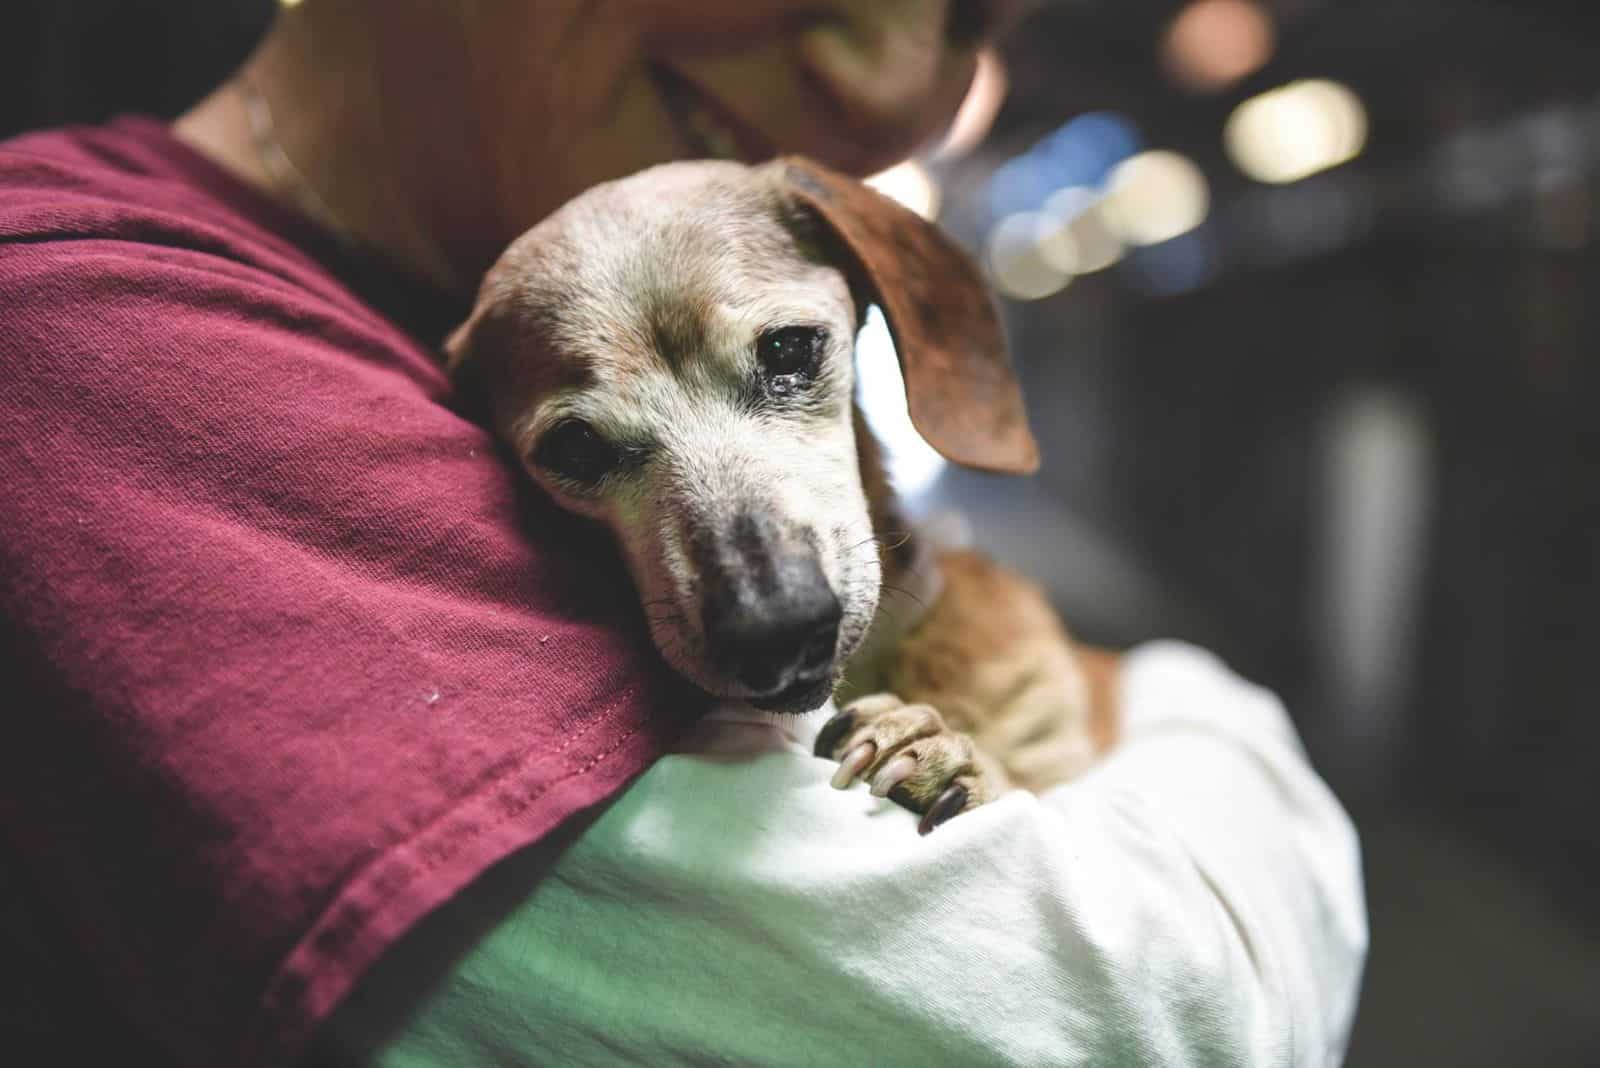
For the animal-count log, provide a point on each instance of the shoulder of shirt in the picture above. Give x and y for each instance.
(118, 189)
(131, 188)
(107, 183)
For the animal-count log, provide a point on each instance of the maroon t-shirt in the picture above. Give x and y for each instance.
(289, 653)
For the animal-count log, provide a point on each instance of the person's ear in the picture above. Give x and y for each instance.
(960, 389)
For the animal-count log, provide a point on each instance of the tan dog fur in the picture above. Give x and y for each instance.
(632, 311)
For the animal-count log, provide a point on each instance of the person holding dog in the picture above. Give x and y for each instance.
(336, 742)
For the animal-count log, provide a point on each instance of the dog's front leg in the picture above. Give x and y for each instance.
(910, 755)
(990, 693)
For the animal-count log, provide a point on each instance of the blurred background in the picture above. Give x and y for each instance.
(1300, 291)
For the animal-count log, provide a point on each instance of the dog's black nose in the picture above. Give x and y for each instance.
(772, 642)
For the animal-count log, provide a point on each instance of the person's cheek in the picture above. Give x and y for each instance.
(890, 79)
(858, 84)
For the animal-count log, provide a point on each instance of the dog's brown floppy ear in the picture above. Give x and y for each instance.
(457, 346)
(474, 353)
(960, 388)
(480, 353)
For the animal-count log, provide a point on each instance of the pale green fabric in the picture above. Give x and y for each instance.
(1196, 900)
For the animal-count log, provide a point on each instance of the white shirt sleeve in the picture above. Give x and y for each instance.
(1195, 900)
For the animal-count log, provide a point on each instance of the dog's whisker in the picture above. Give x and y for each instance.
(871, 548)
(891, 588)
(893, 616)
(891, 539)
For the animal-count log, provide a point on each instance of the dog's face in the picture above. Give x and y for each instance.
(672, 355)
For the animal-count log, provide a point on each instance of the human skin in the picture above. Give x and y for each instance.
(437, 131)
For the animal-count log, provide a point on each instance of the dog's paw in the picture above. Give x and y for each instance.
(909, 755)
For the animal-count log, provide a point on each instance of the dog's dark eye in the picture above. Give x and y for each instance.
(575, 451)
(791, 356)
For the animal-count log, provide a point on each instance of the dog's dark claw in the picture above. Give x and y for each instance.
(953, 800)
(833, 732)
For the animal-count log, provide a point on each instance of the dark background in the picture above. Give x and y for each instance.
(1361, 466)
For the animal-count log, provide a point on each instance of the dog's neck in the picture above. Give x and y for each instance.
(911, 584)
(910, 573)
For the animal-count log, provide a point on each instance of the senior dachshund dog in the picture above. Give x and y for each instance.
(672, 354)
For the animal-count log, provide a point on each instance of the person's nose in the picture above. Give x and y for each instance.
(895, 69)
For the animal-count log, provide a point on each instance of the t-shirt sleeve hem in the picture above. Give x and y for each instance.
(400, 887)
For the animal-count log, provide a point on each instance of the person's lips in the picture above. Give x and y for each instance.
(710, 129)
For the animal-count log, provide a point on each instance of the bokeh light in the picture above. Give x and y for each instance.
(1015, 260)
(1155, 197)
(1214, 43)
(1078, 240)
(1296, 130)
(1083, 152)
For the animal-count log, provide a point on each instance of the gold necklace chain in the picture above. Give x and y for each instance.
(281, 170)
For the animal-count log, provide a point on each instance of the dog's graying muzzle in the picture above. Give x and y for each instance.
(770, 619)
